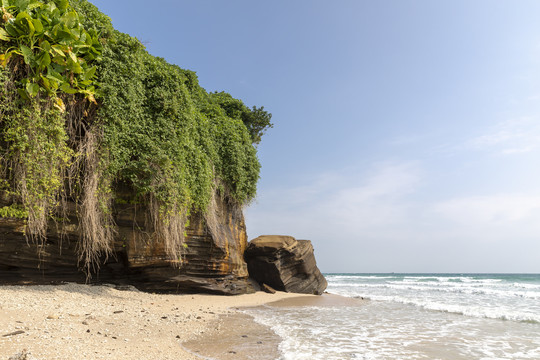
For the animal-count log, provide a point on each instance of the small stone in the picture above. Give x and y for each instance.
(88, 330)
(178, 336)
(232, 352)
(118, 312)
(52, 317)
(198, 318)
(85, 322)
(163, 317)
(259, 342)
(244, 336)
(18, 332)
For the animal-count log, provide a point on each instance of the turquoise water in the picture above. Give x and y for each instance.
(416, 316)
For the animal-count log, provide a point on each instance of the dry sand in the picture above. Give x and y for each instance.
(99, 322)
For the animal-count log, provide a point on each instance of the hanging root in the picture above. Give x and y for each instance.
(38, 210)
(96, 222)
(215, 212)
(169, 225)
(211, 216)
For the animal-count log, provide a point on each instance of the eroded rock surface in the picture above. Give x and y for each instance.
(212, 263)
(285, 264)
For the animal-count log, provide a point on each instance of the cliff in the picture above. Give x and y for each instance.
(211, 264)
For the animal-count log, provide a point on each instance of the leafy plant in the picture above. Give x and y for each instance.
(50, 40)
(14, 211)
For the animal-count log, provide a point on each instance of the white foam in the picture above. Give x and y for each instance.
(389, 330)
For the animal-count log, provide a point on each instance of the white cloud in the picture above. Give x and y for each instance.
(494, 210)
(510, 137)
(350, 202)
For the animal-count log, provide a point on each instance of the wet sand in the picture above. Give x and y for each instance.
(237, 336)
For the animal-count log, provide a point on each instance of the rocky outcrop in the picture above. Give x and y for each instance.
(285, 264)
(212, 263)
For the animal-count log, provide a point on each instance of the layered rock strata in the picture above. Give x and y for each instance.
(213, 262)
(285, 264)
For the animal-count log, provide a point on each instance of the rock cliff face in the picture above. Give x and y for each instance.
(285, 264)
(212, 264)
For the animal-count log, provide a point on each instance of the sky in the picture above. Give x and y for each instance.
(406, 133)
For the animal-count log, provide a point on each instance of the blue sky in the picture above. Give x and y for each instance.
(407, 133)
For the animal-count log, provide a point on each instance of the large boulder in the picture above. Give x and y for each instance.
(212, 263)
(285, 264)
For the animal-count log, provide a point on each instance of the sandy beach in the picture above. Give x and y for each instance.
(75, 321)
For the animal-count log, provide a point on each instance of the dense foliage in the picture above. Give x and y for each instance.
(88, 115)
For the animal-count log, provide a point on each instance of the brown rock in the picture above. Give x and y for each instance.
(213, 263)
(268, 289)
(285, 264)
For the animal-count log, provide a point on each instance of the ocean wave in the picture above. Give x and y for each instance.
(476, 311)
(526, 286)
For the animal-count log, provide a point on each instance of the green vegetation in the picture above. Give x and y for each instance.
(88, 114)
(13, 211)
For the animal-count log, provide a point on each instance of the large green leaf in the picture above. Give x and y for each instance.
(62, 4)
(28, 54)
(38, 26)
(67, 89)
(74, 66)
(46, 83)
(73, 57)
(21, 4)
(46, 46)
(44, 59)
(4, 35)
(54, 75)
(70, 19)
(32, 89)
(3, 60)
(21, 17)
(89, 74)
(30, 26)
(33, 5)
(59, 60)
(58, 68)
(12, 30)
(58, 50)
(24, 23)
(23, 93)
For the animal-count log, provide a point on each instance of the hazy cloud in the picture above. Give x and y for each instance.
(510, 137)
(490, 210)
(351, 202)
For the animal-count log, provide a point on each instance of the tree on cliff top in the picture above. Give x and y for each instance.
(89, 116)
(256, 120)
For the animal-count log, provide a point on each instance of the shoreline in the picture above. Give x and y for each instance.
(239, 336)
(73, 321)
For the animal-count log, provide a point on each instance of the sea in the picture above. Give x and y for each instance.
(415, 316)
